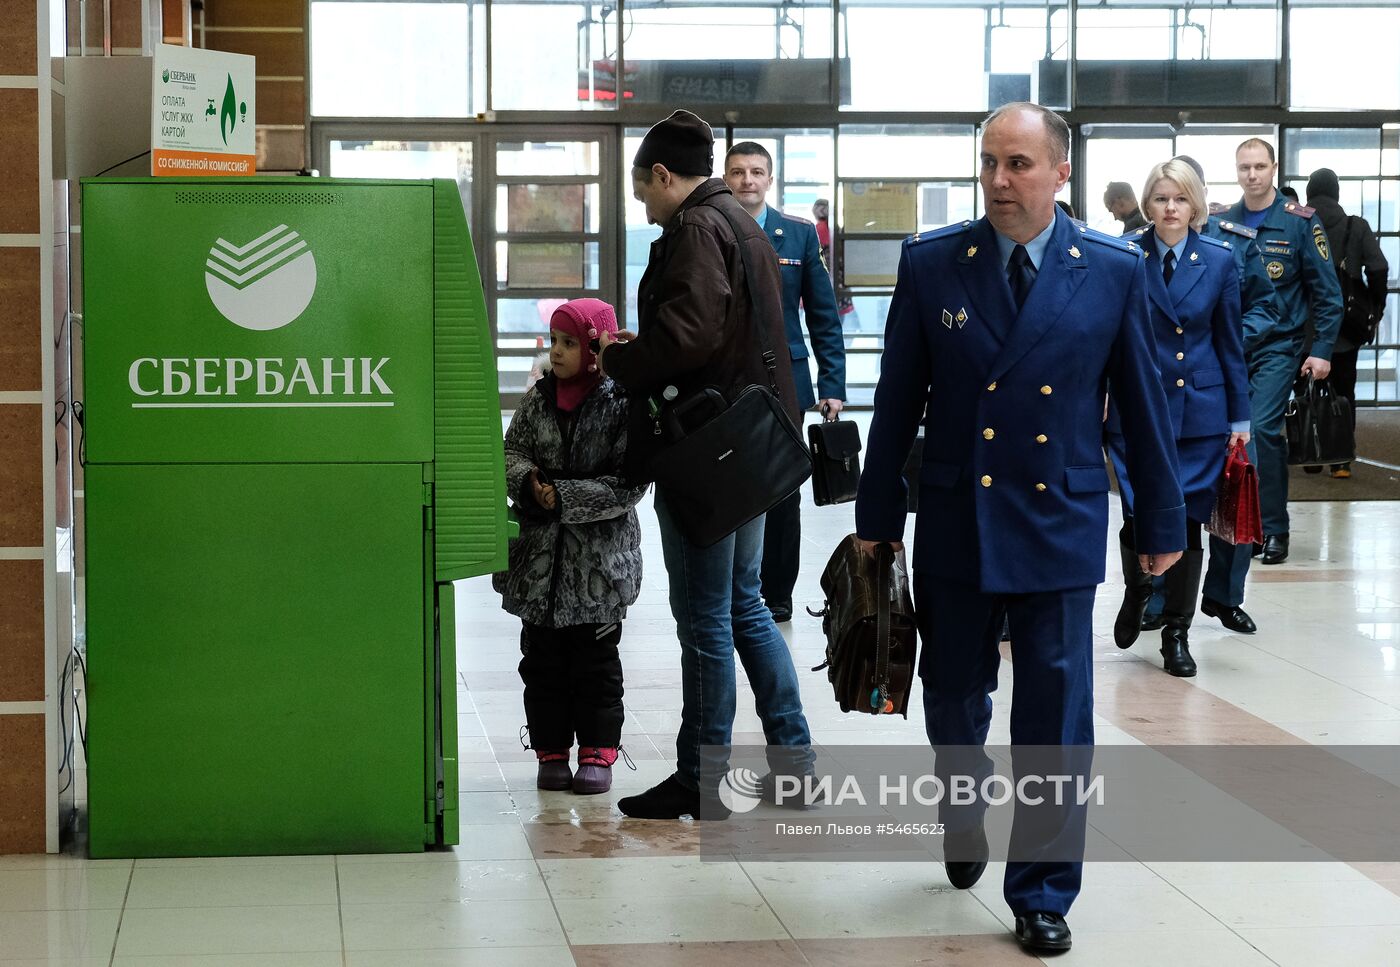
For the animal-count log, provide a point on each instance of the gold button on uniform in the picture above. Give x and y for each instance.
(1040, 487)
(992, 388)
(986, 480)
(1041, 438)
(1179, 330)
(1180, 355)
(988, 433)
(1046, 391)
(1181, 382)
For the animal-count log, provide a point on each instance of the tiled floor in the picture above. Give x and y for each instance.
(548, 878)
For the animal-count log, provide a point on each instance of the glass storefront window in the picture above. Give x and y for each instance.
(982, 57)
(405, 159)
(1324, 37)
(729, 55)
(553, 56)
(423, 60)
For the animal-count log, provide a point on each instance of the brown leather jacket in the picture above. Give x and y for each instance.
(696, 324)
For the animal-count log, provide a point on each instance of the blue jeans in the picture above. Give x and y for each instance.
(719, 610)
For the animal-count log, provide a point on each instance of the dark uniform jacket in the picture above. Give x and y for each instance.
(1298, 259)
(1257, 301)
(807, 287)
(697, 325)
(1014, 493)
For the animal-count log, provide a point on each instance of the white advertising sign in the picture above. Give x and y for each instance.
(202, 112)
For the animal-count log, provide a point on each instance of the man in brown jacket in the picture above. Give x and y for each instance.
(697, 328)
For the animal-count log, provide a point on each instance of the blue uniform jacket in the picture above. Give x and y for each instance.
(1196, 325)
(1257, 299)
(806, 283)
(1298, 260)
(1014, 492)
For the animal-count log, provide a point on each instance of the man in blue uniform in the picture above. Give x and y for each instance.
(1297, 258)
(1222, 595)
(1003, 335)
(748, 171)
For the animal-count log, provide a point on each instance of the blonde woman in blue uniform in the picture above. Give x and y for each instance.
(1193, 288)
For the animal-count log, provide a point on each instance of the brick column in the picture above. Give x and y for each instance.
(33, 292)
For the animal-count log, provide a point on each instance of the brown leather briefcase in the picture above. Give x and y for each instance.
(871, 638)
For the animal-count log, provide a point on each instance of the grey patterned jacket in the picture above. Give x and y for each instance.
(581, 563)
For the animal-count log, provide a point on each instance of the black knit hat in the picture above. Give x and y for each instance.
(683, 143)
(1324, 181)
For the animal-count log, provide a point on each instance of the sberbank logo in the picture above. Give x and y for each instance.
(264, 284)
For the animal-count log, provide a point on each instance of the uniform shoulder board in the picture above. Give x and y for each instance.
(1121, 244)
(947, 231)
(1079, 223)
(1239, 229)
(1302, 211)
(1218, 243)
(798, 219)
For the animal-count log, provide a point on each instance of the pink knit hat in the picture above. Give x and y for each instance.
(586, 320)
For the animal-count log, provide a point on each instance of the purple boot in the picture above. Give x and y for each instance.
(554, 771)
(594, 770)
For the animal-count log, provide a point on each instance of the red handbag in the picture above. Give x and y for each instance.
(1235, 516)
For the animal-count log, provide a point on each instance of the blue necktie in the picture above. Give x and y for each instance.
(1021, 274)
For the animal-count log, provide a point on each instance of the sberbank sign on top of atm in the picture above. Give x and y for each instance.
(274, 326)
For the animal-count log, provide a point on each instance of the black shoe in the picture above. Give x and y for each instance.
(781, 610)
(768, 792)
(1151, 622)
(1275, 549)
(1312, 469)
(1042, 932)
(669, 799)
(1231, 616)
(971, 851)
(1257, 550)
(1176, 653)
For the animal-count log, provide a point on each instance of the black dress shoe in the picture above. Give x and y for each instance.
(1039, 932)
(1176, 655)
(781, 611)
(971, 851)
(1231, 616)
(1275, 549)
(669, 799)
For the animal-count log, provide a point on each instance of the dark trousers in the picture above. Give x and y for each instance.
(1343, 379)
(1052, 705)
(573, 685)
(782, 552)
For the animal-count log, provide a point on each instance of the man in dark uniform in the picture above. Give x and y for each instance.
(1003, 335)
(1297, 257)
(1222, 595)
(1122, 204)
(748, 171)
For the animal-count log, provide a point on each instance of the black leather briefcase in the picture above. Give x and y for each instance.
(835, 446)
(1317, 426)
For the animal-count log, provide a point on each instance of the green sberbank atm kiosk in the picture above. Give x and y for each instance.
(293, 446)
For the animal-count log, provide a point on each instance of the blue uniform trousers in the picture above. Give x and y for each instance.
(1052, 700)
(1273, 368)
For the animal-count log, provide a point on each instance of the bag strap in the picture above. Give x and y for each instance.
(884, 565)
(770, 359)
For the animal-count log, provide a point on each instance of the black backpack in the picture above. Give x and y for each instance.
(1360, 316)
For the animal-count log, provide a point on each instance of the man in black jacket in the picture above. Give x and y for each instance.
(1358, 253)
(698, 326)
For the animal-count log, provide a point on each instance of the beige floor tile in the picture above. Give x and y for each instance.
(882, 910)
(557, 956)
(650, 876)
(388, 883)
(665, 919)
(1196, 948)
(1375, 946)
(302, 958)
(59, 934)
(1268, 905)
(749, 953)
(229, 930)
(217, 885)
(63, 888)
(434, 926)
